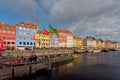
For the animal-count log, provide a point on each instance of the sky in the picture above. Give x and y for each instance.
(97, 18)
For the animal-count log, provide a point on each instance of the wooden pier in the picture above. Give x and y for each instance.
(10, 72)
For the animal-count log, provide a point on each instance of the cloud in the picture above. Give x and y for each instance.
(27, 8)
(97, 17)
(84, 17)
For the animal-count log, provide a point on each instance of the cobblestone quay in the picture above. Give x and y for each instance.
(27, 53)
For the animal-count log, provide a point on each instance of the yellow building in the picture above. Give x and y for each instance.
(99, 43)
(42, 40)
(79, 43)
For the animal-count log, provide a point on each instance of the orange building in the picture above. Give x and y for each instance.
(8, 34)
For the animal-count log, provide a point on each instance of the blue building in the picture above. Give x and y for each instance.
(25, 32)
(54, 41)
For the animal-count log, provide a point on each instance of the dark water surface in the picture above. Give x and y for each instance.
(89, 66)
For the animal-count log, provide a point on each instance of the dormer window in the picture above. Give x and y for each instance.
(27, 25)
(33, 27)
(22, 24)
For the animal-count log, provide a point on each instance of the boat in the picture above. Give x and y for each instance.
(13, 63)
(105, 50)
(75, 56)
(96, 51)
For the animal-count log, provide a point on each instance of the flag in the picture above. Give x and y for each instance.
(45, 32)
(2, 45)
(51, 29)
(36, 36)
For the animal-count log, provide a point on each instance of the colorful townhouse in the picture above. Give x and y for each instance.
(74, 42)
(103, 45)
(95, 44)
(78, 41)
(69, 39)
(54, 41)
(99, 43)
(108, 44)
(8, 34)
(88, 42)
(25, 34)
(62, 37)
(117, 45)
(65, 38)
(42, 40)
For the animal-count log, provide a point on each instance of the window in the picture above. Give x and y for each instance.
(22, 24)
(31, 43)
(8, 31)
(4, 31)
(8, 27)
(28, 25)
(20, 28)
(34, 43)
(24, 28)
(20, 37)
(27, 43)
(20, 33)
(24, 43)
(28, 29)
(4, 37)
(20, 43)
(13, 38)
(8, 38)
(34, 30)
(13, 32)
(33, 27)
(24, 38)
(13, 43)
(0, 26)
(8, 42)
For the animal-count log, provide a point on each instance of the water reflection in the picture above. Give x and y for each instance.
(89, 66)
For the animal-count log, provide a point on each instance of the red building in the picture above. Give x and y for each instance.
(2, 44)
(62, 37)
(8, 34)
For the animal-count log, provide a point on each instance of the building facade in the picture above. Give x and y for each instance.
(54, 41)
(90, 42)
(69, 39)
(42, 40)
(79, 42)
(62, 37)
(8, 34)
(99, 43)
(25, 32)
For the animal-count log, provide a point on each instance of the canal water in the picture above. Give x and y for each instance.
(88, 66)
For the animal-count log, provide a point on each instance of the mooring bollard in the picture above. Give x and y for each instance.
(30, 69)
(13, 72)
